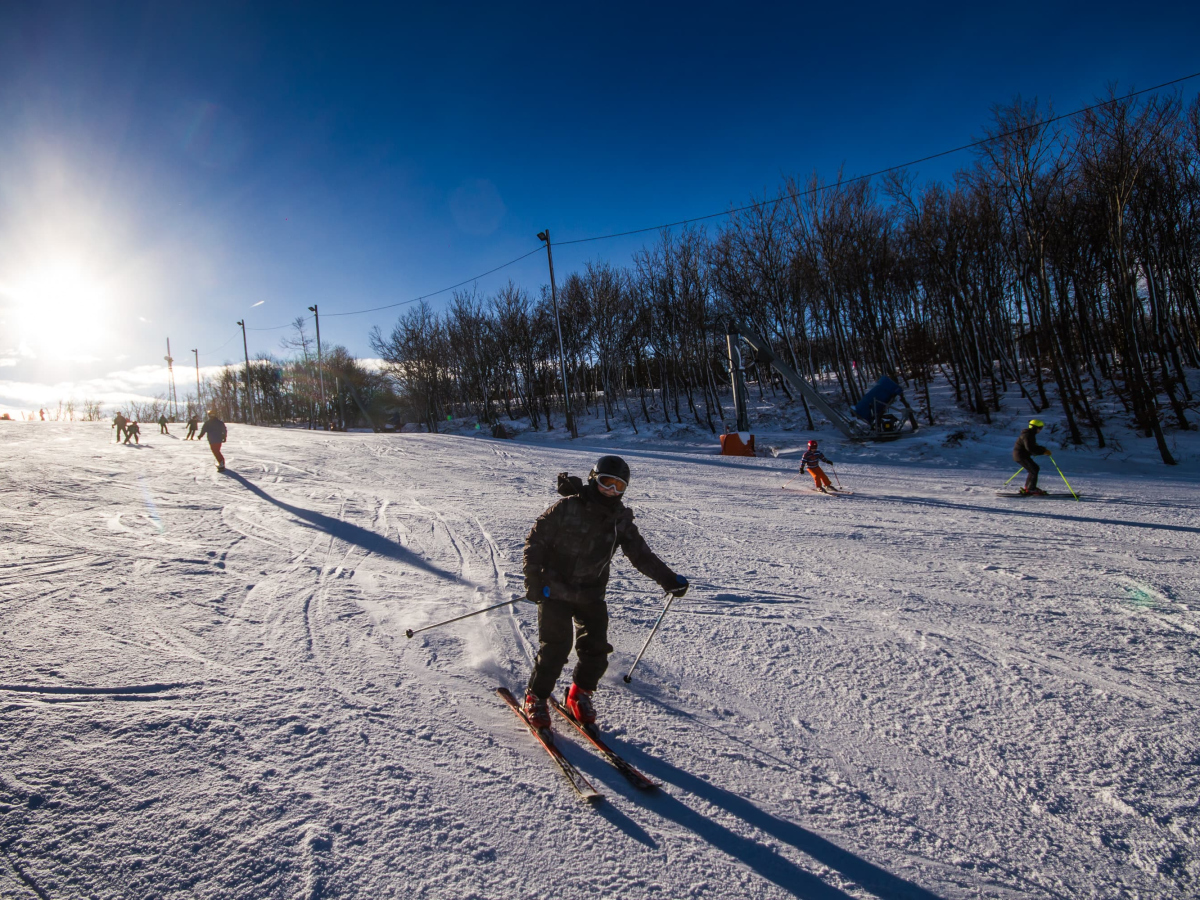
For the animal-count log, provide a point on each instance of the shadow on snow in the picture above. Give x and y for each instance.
(350, 533)
(762, 860)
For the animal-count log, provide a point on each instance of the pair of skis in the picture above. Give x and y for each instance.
(578, 782)
(1049, 495)
(828, 492)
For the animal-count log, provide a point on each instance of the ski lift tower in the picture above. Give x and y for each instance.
(739, 442)
(872, 420)
(171, 372)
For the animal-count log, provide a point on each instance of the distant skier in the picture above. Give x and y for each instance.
(216, 431)
(119, 421)
(132, 431)
(193, 424)
(1025, 450)
(567, 557)
(810, 461)
(42, 413)
(162, 425)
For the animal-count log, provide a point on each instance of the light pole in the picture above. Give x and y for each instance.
(562, 359)
(249, 395)
(171, 372)
(199, 399)
(320, 367)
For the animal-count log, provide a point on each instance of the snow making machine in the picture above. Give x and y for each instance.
(872, 419)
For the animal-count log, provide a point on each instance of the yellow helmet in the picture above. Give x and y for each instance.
(1036, 423)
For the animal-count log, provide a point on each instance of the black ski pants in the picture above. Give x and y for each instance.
(557, 619)
(1031, 468)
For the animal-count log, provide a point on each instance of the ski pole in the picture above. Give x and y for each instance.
(1015, 474)
(409, 632)
(1064, 478)
(670, 598)
(835, 476)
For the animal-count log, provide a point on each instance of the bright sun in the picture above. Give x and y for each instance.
(60, 309)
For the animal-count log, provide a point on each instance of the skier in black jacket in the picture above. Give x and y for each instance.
(567, 557)
(1025, 450)
(216, 431)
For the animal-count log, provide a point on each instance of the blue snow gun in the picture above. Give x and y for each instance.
(874, 405)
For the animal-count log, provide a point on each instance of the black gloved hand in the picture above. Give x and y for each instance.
(681, 586)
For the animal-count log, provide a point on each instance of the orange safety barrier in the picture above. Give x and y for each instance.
(737, 443)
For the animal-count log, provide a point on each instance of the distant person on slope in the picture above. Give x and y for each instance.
(810, 461)
(1025, 450)
(567, 557)
(132, 431)
(119, 421)
(193, 424)
(162, 425)
(217, 432)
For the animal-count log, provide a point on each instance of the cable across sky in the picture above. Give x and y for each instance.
(757, 204)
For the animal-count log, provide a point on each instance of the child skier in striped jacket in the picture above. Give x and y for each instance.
(809, 461)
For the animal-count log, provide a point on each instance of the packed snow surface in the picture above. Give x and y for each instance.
(921, 690)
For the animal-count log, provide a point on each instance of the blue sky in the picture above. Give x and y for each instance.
(165, 166)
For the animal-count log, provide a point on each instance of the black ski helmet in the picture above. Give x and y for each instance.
(611, 465)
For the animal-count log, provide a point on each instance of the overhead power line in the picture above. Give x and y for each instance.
(276, 327)
(869, 175)
(359, 312)
(232, 337)
(737, 209)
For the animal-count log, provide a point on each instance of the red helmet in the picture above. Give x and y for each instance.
(812, 445)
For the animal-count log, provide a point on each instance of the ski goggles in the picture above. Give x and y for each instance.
(612, 483)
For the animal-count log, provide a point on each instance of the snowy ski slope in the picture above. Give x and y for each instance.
(922, 690)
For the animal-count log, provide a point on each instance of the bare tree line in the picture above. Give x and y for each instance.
(289, 390)
(1063, 261)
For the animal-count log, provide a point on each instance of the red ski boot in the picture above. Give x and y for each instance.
(537, 711)
(579, 704)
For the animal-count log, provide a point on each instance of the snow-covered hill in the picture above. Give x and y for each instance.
(921, 690)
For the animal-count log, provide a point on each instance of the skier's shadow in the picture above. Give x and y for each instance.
(767, 863)
(349, 532)
(1041, 514)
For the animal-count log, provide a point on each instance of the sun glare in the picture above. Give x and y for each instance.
(60, 309)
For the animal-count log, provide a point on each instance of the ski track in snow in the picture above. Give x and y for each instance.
(921, 690)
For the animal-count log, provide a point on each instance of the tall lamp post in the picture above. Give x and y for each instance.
(249, 395)
(320, 366)
(562, 359)
(199, 399)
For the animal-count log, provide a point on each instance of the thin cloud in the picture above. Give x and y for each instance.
(137, 384)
